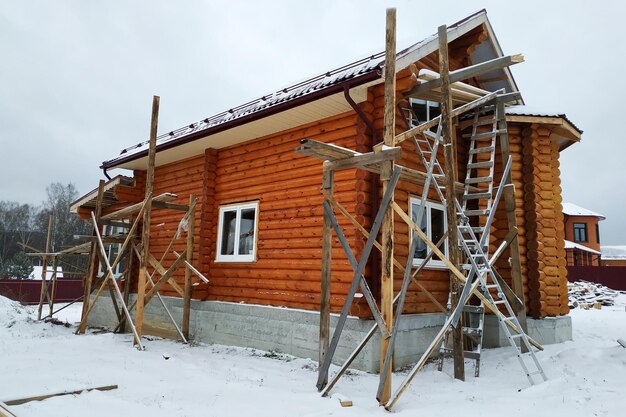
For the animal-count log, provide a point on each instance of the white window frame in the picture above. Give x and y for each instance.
(117, 271)
(236, 257)
(433, 263)
(429, 105)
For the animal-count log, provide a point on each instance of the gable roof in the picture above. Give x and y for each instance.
(574, 210)
(325, 89)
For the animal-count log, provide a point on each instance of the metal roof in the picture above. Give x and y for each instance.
(524, 110)
(354, 74)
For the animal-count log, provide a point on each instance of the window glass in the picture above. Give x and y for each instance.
(229, 224)
(438, 227)
(580, 232)
(434, 225)
(420, 249)
(246, 234)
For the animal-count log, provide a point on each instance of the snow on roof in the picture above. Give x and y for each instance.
(573, 245)
(37, 270)
(613, 252)
(574, 210)
(523, 110)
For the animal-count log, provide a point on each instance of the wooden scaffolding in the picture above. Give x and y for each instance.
(472, 273)
(134, 240)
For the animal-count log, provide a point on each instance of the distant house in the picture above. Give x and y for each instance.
(37, 271)
(582, 235)
(613, 255)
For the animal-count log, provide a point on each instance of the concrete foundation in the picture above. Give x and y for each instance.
(295, 332)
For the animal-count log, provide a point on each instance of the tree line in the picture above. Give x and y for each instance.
(24, 229)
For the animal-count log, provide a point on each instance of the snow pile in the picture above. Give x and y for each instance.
(11, 312)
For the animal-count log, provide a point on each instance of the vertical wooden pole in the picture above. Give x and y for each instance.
(327, 243)
(191, 229)
(93, 263)
(128, 274)
(386, 280)
(44, 268)
(145, 238)
(509, 204)
(449, 141)
(53, 290)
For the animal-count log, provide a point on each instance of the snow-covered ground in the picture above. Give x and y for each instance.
(587, 377)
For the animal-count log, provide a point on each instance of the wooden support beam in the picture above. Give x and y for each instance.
(511, 218)
(188, 260)
(448, 132)
(327, 243)
(44, 263)
(387, 229)
(145, 239)
(466, 73)
(370, 158)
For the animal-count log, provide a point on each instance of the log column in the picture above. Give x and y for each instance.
(542, 203)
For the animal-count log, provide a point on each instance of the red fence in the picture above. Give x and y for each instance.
(612, 276)
(27, 291)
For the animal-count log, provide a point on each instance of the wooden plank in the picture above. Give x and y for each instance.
(145, 236)
(466, 73)
(19, 401)
(188, 260)
(127, 212)
(387, 229)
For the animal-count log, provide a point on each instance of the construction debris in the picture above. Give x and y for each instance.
(586, 295)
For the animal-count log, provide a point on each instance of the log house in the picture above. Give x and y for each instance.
(242, 167)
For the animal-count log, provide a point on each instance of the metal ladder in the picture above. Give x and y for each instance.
(474, 240)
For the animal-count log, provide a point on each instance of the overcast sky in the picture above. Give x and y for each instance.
(77, 77)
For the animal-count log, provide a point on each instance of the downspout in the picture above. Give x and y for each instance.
(374, 180)
(104, 170)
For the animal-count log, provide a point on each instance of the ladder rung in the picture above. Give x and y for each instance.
(483, 135)
(499, 302)
(484, 164)
(486, 149)
(476, 196)
(493, 286)
(476, 212)
(478, 180)
(516, 336)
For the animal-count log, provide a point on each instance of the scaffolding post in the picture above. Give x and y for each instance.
(145, 249)
(93, 263)
(448, 132)
(44, 268)
(386, 281)
(327, 243)
(190, 235)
